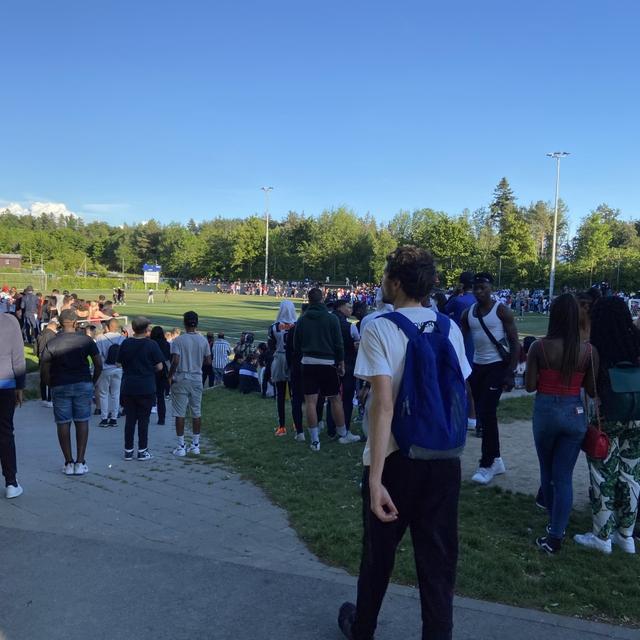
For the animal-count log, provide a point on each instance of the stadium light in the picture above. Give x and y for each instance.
(266, 241)
(552, 276)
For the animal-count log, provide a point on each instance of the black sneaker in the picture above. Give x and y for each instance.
(103, 423)
(144, 455)
(548, 544)
(128, 455)
(113, 422)
(96, 412)
(346, 618)
(564, 533)
(160, 422)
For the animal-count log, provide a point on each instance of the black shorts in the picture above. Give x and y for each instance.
(320, 379)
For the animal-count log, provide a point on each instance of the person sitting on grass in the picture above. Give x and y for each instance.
(248, 375)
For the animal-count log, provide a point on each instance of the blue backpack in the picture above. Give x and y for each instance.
(430, 413)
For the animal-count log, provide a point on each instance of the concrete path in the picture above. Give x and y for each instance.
(180, 550)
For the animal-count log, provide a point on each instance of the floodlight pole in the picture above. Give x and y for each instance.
(266, 242)
(552, 276)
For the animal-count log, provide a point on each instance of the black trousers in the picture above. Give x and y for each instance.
(45, 392)
(348, 387)
(161, 390)
(426, 494)
(295, 391)
(486, 386)
(7, 441)
(137, 410)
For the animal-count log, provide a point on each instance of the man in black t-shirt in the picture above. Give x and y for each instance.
(65, 369)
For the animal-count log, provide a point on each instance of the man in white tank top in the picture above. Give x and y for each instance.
(496, 347)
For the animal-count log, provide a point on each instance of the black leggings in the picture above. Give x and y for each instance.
(296, 403)
(161, 389)
(137, 409)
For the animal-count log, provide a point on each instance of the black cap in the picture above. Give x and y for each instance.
(483, 278)
(466, 278)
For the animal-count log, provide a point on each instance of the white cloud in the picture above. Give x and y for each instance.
(57, 209)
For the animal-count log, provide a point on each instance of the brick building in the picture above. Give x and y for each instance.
(10, 260)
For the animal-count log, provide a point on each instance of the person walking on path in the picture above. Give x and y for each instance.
(558, 366)
(29, 307)
(399, 491)
(615, 481)
(319, 340)
(12, 381)
(280, 367)
(65, 364)
(140, 359)
(150, 296)
(162, 387)
(189, 353)
(110, 381)
(495, 358)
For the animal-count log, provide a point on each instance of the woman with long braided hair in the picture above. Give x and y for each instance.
(615, 481)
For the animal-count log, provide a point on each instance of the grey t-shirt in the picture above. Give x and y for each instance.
(192, 348)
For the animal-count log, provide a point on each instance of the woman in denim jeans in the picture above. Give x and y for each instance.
(558, 366)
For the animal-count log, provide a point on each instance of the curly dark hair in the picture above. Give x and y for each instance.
(613, 334)
(415, 269)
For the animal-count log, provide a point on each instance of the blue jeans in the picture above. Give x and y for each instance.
(559, 426)
(72, 402)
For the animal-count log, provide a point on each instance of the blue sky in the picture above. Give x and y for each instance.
(127, 110)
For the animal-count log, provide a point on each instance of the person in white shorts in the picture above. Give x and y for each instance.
(189, 352)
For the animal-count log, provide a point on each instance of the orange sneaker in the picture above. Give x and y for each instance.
(281, 431)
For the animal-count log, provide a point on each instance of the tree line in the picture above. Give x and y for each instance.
(510, 240)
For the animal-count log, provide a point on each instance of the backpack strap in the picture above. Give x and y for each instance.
(402, 322)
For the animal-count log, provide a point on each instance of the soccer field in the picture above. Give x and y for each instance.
(217, 311)
(234, 314)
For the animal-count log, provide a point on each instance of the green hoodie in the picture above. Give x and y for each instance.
(318, 334)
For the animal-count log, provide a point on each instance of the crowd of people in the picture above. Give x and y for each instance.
(422, 368)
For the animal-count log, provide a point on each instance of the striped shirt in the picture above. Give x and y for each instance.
(220, 354)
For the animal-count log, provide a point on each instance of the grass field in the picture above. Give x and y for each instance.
(234, 314)
(498, 559)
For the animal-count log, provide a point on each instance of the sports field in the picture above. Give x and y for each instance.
(234, 314)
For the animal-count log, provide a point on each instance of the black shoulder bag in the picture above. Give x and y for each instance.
(501, 348)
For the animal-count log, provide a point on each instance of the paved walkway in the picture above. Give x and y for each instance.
(173, 549)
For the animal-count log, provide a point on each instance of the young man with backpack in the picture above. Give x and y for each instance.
(108, 387)
(416, 415)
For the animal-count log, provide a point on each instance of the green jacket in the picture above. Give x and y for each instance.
(318, 334)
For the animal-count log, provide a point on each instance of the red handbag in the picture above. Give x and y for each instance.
(596, 441)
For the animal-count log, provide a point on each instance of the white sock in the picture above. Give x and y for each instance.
(196, 440)
(342, 431)
(181, 441)
(315, 434)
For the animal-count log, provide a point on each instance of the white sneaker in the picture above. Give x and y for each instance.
(13, 491)
(484, 475)
(349, 438)
(154, 409)
(627, 545)
(498, 467)
(47, 403)
(315, 446)
(299, 437)
(80, 469)
(180, 451)
(194, 448)
(69, 469)
(593, 542)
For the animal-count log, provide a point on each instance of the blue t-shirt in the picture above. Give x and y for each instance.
(139, 357)
(456, 306)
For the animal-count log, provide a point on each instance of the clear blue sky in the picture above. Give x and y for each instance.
(140, 109)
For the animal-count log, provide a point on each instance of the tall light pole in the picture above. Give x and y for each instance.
(266, 241)
(552, 277)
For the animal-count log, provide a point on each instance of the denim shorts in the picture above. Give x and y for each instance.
(72, 402)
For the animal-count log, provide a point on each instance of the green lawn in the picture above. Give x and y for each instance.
(32, 361)
(234, 314)
(498, 559)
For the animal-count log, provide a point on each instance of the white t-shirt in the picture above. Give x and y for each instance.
(382, 353)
